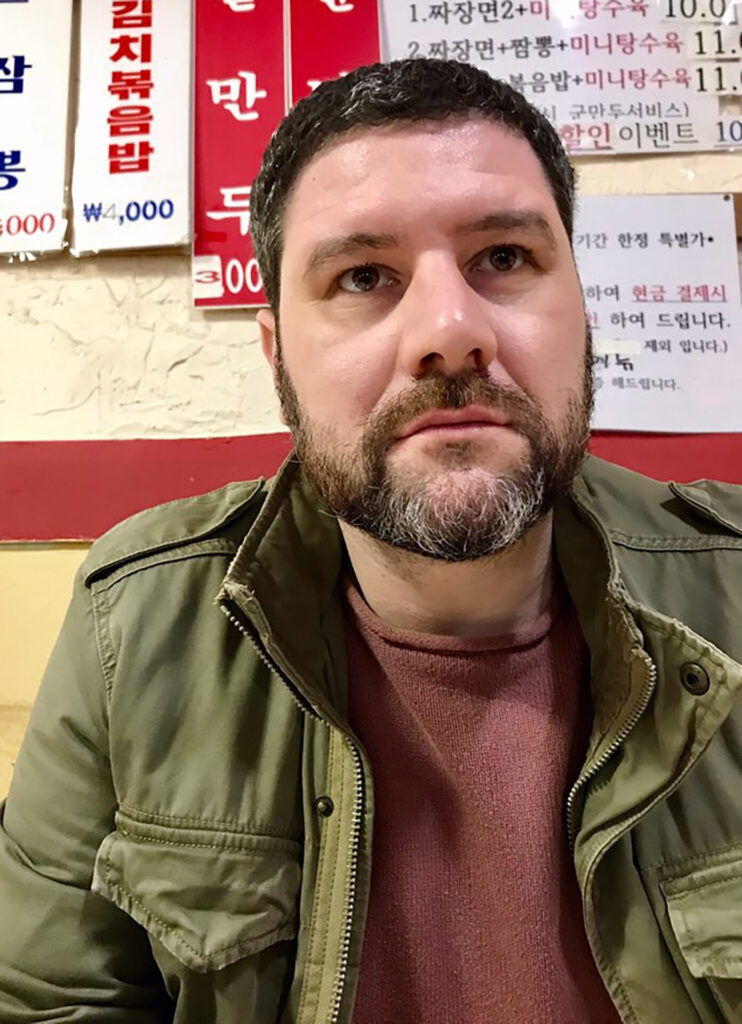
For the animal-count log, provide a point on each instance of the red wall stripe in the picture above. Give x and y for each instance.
(75, 490)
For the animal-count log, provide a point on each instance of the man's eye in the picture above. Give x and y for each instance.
(363, 279)
(503, 258)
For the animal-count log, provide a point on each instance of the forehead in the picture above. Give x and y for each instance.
(416, 171)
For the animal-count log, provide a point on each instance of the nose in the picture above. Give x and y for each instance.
(446, 325)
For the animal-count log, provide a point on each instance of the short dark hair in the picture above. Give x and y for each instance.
(413, 90)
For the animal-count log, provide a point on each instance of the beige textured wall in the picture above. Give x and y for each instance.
(109, 347)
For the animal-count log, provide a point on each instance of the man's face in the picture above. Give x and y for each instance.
(432, 359)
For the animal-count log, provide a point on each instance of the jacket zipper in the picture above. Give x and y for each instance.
(355, 839)
(639, 710)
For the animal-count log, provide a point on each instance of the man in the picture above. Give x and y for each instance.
(462, 746)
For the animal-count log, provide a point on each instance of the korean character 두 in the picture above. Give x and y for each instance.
(130, 120)
(129, 157)
(638, 77)
(236, 206)
(487, 11)
(438, 50)
(485, 49)
(10, 168)
(12, 71)
(439, 12)
(464, 12)
(132, 14)
(626, 42)
(590, 8)
(658, 133)
(560, 80)
(538, 82)
(125, 84)
(136, 48)
(604, 42)
(521, 48)
(543, 45)
(461, 50)
(649, 42)
(615, 110)
(673, 42)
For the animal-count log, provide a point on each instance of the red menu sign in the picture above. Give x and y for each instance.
(253, 57)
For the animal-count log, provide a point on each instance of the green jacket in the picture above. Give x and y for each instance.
(188, 832)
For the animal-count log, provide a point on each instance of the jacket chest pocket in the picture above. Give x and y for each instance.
(209, 897)
(705, 909)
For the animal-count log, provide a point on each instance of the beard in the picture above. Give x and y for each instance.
(457, 510)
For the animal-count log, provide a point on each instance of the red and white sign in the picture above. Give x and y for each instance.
(240, 98)
(253, 58)
(130, 185)
(34, 85)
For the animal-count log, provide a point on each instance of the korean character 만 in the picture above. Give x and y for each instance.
(464, 12)
(130, 120)
(129, 157)
(12, 71)
(237, 95)
(125, 84)
(461, 50)
(132, 14)
(485, 49)
(10, 168)
(439, 12)
(136, 48)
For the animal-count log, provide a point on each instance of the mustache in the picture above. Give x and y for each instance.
(440, 391)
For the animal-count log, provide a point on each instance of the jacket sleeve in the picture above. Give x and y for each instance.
(66, 953)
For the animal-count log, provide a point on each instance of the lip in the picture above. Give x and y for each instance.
(471, 416)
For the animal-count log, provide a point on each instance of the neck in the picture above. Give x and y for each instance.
(488, 597)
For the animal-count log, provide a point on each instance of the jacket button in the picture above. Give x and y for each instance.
(324, 806)
(694, 678)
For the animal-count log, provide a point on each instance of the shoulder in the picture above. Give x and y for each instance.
(634, 507)
(198, 524)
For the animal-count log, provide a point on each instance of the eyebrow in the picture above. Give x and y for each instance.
(347, 245)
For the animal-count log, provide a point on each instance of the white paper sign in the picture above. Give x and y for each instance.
(612, 75)
(130, 186)
(34, 89)
(661, 286)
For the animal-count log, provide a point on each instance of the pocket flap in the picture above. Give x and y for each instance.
(705, 908)
(209, 897)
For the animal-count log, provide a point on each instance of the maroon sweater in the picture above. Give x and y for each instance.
(474, 913)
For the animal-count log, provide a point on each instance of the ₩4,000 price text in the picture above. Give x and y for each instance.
(129, 213)
(27, 224)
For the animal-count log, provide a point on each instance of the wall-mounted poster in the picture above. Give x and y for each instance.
(255, 58)
(130, 185)
(661, 285)
(34, 91)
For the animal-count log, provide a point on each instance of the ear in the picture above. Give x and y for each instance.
(267, 324)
